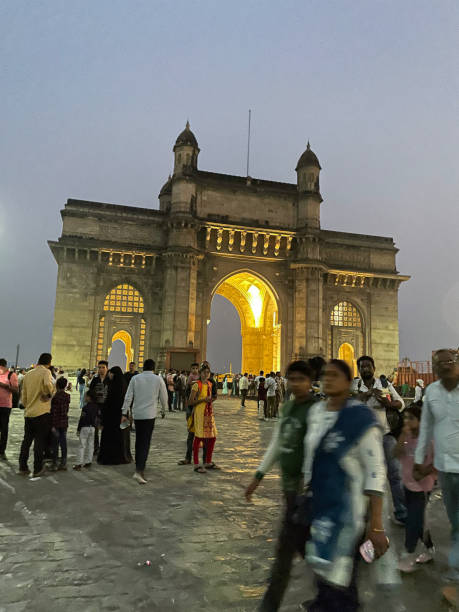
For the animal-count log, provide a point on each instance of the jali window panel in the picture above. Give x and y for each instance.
(345, 314)
(124, 298)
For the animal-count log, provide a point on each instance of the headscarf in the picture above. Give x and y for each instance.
(117, 385)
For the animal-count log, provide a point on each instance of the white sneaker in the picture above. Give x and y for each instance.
(139, 478)
(407, 563)
(426, 556)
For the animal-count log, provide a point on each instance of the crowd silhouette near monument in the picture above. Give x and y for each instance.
(338, 440)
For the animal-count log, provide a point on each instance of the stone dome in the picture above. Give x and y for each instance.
(186, 137)
(309, 158)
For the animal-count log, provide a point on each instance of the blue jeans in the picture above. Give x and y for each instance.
(177, 400)
(449, 483)
(60, 440)
(394, 477)
(82, 394)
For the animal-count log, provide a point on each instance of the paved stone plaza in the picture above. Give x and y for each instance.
(73, 541)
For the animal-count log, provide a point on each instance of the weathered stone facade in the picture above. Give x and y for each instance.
(148, 276)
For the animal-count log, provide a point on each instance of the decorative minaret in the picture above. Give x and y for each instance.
(309, 198)
(186, 151)
(181, 256)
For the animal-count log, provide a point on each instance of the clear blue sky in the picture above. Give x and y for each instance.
(93, 95)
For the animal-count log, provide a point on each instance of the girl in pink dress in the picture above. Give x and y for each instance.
(417, 492)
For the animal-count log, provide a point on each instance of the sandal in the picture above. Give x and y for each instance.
(212, 466)
(200, 469)
(184, 462)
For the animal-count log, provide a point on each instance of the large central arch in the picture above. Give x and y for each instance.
(257, 306)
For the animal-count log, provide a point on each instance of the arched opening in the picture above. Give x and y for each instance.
(122, 327)
(257, 307)
(346, 339)
(346, 353)
(121, 352)
(224, 340)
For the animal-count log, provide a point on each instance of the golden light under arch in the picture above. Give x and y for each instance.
(125, 337)
(257, 306)
(347, 354)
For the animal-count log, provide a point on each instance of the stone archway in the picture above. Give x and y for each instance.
(258, 309)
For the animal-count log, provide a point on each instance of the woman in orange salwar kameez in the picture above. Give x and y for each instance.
(203, 424)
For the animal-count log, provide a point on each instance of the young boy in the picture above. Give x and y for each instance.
(60, 405)
(286, 447)
(86, 430)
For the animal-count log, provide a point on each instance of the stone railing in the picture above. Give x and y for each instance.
(262, 242)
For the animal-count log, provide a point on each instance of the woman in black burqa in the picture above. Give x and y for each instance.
(112, 451)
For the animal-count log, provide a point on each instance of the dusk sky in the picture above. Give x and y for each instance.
(94, 93)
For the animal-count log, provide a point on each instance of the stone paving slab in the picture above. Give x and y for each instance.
(73, 541)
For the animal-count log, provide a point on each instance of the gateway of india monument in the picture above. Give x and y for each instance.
(146, 277)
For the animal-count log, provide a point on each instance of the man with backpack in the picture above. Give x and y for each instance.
(380, 395)
(8, 399)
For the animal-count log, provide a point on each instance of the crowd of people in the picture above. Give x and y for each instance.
(337, 439)
(336, 443)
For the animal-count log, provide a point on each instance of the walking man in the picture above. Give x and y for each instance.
(8, 385)
(143, 394)
(271, 386)
(287, 449)
(381, 398)
(38, 387)
(244, 388)
(440, 423)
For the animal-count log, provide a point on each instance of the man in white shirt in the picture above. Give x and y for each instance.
(261, 376)
(243, 388)
(144, 392)
(370, 391)
(419, 390)
(440, 423)
(271, 386)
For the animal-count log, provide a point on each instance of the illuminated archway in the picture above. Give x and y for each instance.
(346, 337)
(122, 319)
(126, 339)
(258, 311)
(347, 354)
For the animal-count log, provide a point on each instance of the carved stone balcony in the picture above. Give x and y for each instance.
(257, 242)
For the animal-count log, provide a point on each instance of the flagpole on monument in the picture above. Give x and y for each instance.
(248, 144)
